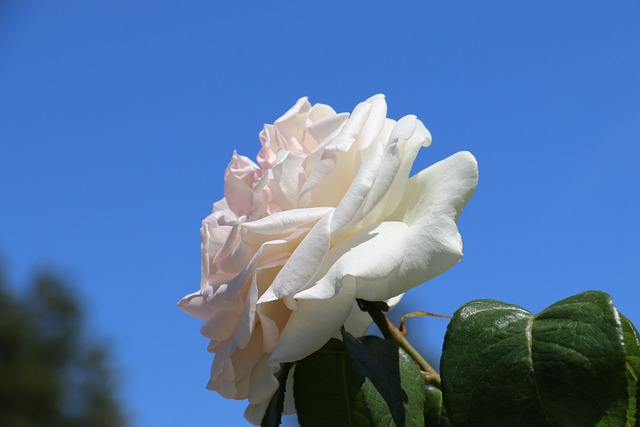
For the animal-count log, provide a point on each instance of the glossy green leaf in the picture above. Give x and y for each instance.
(435, 415)
(327, 390)
(370, 382)
(566, 366)
(632, 346)
(392, 384)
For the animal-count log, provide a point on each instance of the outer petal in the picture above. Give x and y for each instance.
(263, 382)
(369, 257)
(432, 202)
(443, 188)
(196, 305)
(312, 325)
(255, 412)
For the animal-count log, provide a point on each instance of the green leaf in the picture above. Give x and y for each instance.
(393, 386)
(632, 345)
(435, 415)
(369, 382)
(566, 366)
(326, 389)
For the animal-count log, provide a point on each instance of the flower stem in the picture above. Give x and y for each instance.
(390, 332)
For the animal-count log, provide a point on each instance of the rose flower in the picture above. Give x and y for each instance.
(327, 215)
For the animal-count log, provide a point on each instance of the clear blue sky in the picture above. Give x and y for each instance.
(117, 119)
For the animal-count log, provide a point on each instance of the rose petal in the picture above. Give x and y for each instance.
(303, 264)
(325, 129)
(195, 305)
(285, 184)
(329, 180)
(263, 382)
(239, 178)
(443, 188)
(281, 222)
(289, 128)
(369, 257)
(267, 155)
(237, 365)
(375, 122)
(350, 207)
(222, 322)
(431, 205)
(304, 333)
(409, 135)
(364, 124)
(255, 412)
(358, 321)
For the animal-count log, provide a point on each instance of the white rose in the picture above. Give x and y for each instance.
(329, 214)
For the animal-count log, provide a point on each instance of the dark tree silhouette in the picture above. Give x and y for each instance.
(52, 373)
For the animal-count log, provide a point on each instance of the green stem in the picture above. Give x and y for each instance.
(390, 332)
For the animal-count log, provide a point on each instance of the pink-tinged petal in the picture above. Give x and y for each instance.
(231, 243)
(267, 155)
(222, 323)
(231, 302)
(235, 262)
(244, 169)
(304, 334)
(223, 254)
(213, 236)
(223, 213)
(195, 305)
(239, 179)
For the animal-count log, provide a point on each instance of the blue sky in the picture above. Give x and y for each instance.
(118, 118)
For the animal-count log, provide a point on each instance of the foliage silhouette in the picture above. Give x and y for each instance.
(51, 372)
